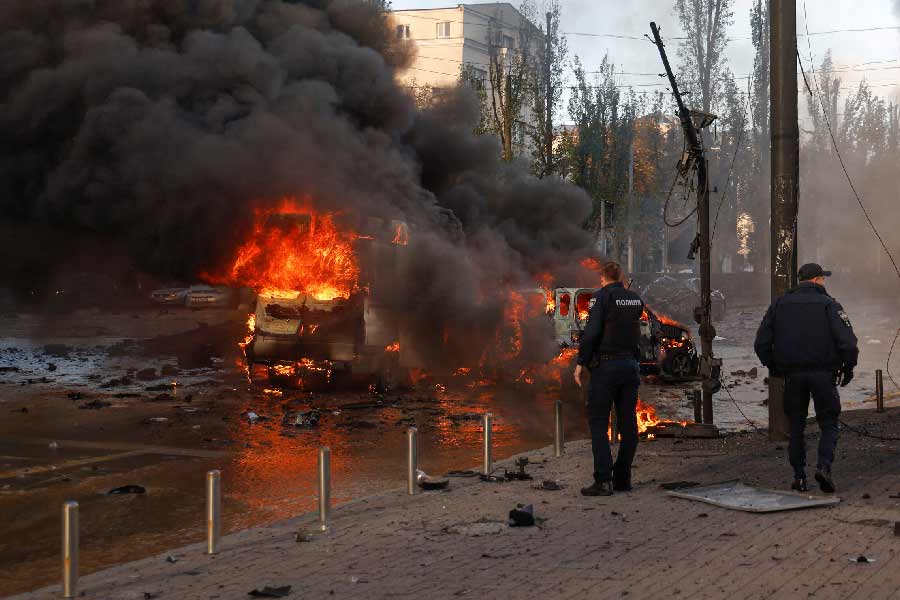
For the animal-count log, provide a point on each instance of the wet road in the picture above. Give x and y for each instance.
(166, 437)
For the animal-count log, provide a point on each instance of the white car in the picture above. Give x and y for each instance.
(169, 295)
(207, 296)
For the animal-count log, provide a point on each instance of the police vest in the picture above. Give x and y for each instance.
(803, 338)
(622, 322)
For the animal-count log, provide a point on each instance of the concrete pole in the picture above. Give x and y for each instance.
(213, 510)
(785, 185)
(324, 487)
(412, 460)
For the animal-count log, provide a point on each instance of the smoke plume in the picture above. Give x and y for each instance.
(160, 124)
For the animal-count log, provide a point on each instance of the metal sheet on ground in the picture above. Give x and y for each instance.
(736, 495)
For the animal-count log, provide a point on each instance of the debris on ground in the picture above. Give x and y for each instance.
(861, 559)
(677, 485)
(271, 592)
(172, 558)
(429, 483)
(736, 495)
(75, 396)
(301, 418)
(522, 516)
(302, 536)
(252, 417)
(549, 485)
(519, 475)
(155, 420)
(94, 405)
(128, 489)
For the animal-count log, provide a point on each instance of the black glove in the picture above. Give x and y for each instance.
(846, 376)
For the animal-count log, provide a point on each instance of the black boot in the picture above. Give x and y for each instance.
(826, 484)
(599, 488)
(800, 484)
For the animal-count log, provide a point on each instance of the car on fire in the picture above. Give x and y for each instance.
(356, 337)
(666, 346)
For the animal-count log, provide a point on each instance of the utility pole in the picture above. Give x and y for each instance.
(785, 132)
(548, 101)
(696, 158)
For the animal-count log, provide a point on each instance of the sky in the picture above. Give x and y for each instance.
(632, 18)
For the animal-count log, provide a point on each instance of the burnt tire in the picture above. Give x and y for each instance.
(679, 365)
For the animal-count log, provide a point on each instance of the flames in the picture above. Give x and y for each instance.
(395, 347)
(401, 234)
(294, 250)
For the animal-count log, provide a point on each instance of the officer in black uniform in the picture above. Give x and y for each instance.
(609, 348)
(806, 338)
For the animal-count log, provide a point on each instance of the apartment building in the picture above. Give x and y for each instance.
(449, 38)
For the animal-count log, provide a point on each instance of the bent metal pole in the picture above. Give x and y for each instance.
(213, 510)
(487, 426)
(412, 459)
(324, 487)
(70, 549)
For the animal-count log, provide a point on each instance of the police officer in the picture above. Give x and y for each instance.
(806, 338)
(609, 348)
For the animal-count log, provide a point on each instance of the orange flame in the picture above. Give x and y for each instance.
(295, 250)
(395, 347)
(401, 235)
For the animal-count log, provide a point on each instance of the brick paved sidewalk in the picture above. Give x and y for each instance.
(643, 544)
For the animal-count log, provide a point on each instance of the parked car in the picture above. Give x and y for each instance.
(169, 296)
(207, 296)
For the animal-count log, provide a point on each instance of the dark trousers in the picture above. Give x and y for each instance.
(613, 383)
(797, 389)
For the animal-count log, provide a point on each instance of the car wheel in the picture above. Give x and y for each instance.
(678, 365)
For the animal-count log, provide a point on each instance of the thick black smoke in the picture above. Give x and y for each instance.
(162, 123)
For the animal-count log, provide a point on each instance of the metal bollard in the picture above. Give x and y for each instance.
(412, 460)
(697, 400)
(70, 549)
(324, 487)
(487, 426)
(213, 510)
(879, 391)
(559, 441)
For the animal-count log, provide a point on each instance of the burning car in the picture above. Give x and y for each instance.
(666, 346)
(321, 311)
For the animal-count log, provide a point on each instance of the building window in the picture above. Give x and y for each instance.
(402, 32)
(443, 29)
(475, 77)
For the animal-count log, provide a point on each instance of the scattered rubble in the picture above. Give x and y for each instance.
(128, 489)
(271, 592)
(95, 405)
(522, 516)
(302, 418)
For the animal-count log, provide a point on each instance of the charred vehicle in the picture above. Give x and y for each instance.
(666, 346)
(341, 328)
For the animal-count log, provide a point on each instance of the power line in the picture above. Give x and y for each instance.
(642, 38)
(847, 175)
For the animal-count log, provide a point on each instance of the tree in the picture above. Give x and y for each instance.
(546, 92)
(511, 71)
(703, 51)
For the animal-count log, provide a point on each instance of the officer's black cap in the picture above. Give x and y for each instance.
(811, 271)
